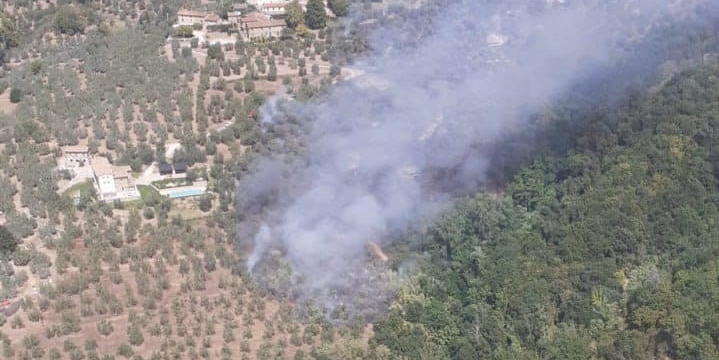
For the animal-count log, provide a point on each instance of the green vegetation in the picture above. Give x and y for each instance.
(150, 196)
(315, 17)
(15, 95)
(295, 15)
(168, 183)
(68, 20)
(606, 250)
(601, 249)
(104, 74)
(8, 243)
(184, 31)
(85, 188)
(339, 7)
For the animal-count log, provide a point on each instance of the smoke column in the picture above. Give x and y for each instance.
(391, 146)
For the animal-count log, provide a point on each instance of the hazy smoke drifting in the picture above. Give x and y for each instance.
(392, 145)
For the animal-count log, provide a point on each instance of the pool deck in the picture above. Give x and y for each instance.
(199, 186)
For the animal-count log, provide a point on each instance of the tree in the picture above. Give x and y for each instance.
(215, 52)
(295, 14)
(9, 36)
(134, 335)
(205, 203)
(132, 226)
(339, 7)
(68, 21)
(315, 17)
(184, 31)
(15, 95)
(8, 243)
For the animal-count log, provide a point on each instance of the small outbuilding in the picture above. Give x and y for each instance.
(180, 167)
(165, 169)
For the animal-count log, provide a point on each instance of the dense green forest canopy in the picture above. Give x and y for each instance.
(607, 250)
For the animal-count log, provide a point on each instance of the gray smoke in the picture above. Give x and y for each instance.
(394, 144)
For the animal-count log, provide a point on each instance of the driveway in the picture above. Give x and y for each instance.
(149, 175)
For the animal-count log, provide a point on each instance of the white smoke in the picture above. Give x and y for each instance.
(380, 157)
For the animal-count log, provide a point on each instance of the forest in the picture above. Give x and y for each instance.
(595, 237)
(606, 250)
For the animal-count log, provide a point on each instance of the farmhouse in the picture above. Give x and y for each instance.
(76, 155)
(276, 8)
(211, 19)
(259, 4)
(190, 17)
(233, 17)
(113, 182)
(260, 26)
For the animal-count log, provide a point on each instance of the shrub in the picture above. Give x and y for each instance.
(184, 31)
(68, 21)
(15, 95)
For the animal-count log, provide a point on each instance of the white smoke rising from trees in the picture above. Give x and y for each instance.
(390, 146)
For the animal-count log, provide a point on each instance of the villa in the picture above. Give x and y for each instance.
(113, 182)
(260, 26)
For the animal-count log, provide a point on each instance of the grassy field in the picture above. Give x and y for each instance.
(83, 188)
(168, 183)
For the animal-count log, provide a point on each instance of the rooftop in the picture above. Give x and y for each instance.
(75, 149)
(192, 13)
(163, 167)
(257, 20)
(275, 5)
(180, 166)
(101, 166)
(212, 18)
(123, 171)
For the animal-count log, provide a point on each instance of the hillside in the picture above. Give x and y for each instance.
(587, 229)
(153, 277)
(606, 251)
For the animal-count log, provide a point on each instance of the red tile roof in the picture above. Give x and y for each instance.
(256, 20)
(191, 13)
(212, 18)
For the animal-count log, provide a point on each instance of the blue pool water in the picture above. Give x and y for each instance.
(185, 193)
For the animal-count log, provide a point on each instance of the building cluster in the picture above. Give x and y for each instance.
(273, 7)
(250, 24)
(172, 169)
(260, 26)
(111, 181)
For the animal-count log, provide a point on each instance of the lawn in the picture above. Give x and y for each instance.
(170, 183)
(83, 188)
(149, 194)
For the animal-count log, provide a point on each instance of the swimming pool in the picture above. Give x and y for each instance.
(185, 193)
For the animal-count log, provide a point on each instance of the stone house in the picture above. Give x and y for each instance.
(113, 182)
(260, 26)
(76, 156)
(275, 8)
(190, 17)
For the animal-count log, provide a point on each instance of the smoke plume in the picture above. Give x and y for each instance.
(395, 143)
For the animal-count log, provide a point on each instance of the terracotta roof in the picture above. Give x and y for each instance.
(122, 171)
(274, 5)
(75, 149)
(191, 13)
(212, 18)
(257, 20)
(101, 166)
